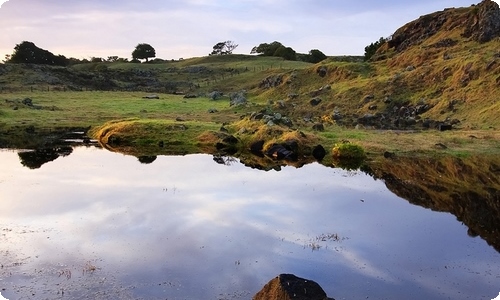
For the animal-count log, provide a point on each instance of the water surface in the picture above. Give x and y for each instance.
(100, 225)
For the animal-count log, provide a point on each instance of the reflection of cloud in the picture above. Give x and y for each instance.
(365, 267)
(175, 222)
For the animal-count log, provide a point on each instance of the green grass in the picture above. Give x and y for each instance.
(82, 109)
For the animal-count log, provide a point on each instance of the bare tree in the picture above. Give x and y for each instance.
(223, 48)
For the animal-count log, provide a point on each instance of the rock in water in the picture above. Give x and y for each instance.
(291, 287)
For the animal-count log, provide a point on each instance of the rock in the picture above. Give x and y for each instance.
(389, 155)
(319, 152)
(237, 98)
(484, 26)
(256, 147)
(230, 139)
(212, 110)
(291, 287)
(257, 116)
(215, 95)
(372, 107)
(444, 127)
(278, 151)
(271, 81)
(189, 96)
(315, 101)
(368, 98)
(151, 96)
(322, 71)
(27, 102)
(319, 127)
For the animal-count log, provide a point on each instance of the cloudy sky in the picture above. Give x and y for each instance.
(190, 28)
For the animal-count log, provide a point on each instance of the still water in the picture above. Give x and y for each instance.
(100, 225)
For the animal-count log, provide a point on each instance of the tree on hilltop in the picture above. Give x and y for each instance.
(371, 49)
(266, 49)
(29, 53)
(224, 48)
(315, 56)
(143, 51)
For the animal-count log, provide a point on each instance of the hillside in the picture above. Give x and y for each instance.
(443, 68)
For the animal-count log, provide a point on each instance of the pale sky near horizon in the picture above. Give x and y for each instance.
(190, 28)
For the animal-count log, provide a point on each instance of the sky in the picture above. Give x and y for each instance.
(190, 28)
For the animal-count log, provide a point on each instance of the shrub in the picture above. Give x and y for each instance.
(348, 150)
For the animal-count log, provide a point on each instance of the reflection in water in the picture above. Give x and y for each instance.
(467, 188)
(98, 225)
(146, 159)
(34, 159)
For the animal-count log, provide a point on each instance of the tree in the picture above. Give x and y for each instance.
(266, 49)
(371, 49)
(28, 52)
(143, 51)
(315, 56)
(286, 52)
(224, 48)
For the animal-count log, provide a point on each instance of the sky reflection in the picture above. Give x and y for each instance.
(188, 228)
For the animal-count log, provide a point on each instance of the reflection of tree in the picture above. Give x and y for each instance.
(146, 159)
(36, 158)
(224, 160)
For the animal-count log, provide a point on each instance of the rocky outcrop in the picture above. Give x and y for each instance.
(483, 25)
(480, 22)
(291, 287)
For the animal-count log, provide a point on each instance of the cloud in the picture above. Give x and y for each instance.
(190, 28)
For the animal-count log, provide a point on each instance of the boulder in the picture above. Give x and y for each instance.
(152, 96)
(315, 101)
(322, 70)
(279, 152)
(319, 152)
(291, 287)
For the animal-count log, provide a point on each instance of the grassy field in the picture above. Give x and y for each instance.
(83, 109)
(186, 125)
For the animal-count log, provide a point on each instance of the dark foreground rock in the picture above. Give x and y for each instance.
(291, 287)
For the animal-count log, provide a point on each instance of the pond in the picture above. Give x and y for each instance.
(93, 224)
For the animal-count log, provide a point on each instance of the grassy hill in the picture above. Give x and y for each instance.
(441, 69)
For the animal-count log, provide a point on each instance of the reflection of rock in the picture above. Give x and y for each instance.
(36, 158)
(465, 187)
(288, 287)
(146, 159)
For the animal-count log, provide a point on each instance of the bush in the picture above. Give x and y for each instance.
(348, 150)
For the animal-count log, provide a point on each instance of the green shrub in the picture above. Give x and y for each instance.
(348, 150)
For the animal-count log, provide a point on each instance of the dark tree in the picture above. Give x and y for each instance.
(371, 49)
(266, 49)
(224, 48)
(315, 56)
(143, 51)
(286, 52)
(28, 52)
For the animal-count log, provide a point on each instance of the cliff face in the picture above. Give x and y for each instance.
(479, 22)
